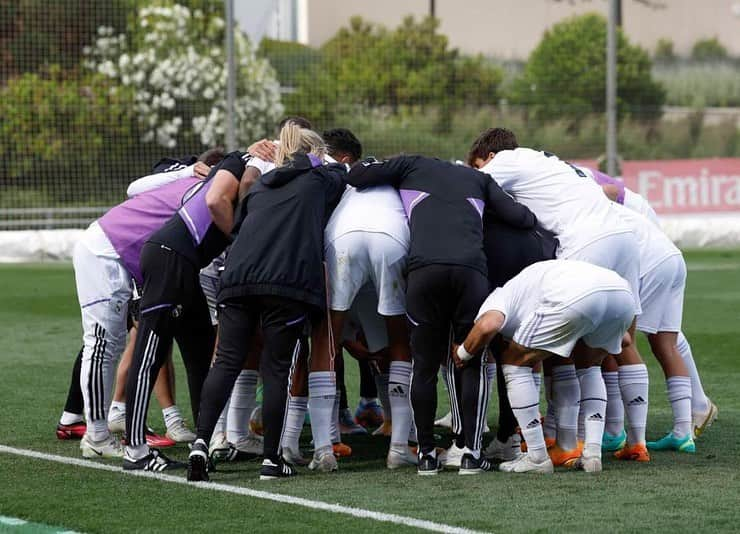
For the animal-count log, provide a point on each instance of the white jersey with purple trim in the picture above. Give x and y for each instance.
(573, 208)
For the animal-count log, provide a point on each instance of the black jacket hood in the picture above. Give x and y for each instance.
(300, 163)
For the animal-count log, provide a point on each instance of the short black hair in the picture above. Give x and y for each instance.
(300, 121)
(343, 140)
(212, 156)
(492, 140)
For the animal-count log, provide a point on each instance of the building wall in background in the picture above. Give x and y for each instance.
(510, 29)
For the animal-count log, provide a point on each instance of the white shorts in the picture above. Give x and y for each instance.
(357, 258)
(619, 253)
(661, 294)
(601, 318)
(364, 318)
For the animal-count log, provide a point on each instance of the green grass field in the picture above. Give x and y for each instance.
(40, 335)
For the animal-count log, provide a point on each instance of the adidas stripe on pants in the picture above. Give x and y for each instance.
(173, 307)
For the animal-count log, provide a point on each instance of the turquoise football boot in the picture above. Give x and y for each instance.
(671, 443)
(613, 442)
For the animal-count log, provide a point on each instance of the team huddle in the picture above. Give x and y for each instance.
(266, 265)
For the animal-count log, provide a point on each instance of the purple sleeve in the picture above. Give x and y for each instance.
(603, 179)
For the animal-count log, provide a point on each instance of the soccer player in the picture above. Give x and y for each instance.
(588, 228)
(447, 282)
(510, 250)
(367, 241)
(273, 276)
(703, 410)
(544, 311)
(105, 260)
(173, 305)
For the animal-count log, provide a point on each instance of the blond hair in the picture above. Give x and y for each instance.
(294, 139)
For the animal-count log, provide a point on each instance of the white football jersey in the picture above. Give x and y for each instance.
(565, 202)
(373, 209)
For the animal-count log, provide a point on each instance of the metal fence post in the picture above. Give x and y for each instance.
(611, 90)
(230, 78)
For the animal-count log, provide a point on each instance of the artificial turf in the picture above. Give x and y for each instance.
(40, 335)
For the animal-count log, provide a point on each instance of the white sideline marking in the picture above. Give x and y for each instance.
(276, 497)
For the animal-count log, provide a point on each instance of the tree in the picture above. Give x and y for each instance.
(708, 50)
(174, 60)
(37, 33)
(565, 76)
(410, 67)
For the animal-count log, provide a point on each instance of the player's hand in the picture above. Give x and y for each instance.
(455, 358)
(201, 169)
(263, 149)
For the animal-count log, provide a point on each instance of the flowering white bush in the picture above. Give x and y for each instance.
(175, 60)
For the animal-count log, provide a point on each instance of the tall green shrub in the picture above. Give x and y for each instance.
(565, 76)
(69, 140)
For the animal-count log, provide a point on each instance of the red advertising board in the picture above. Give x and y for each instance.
(685, 186)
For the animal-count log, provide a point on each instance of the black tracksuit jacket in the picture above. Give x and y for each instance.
(444, 203)
(279, 246)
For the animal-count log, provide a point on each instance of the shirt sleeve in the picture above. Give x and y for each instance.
(496, 301)
(234, 163)
(369, 173)
(261, 165)
(153, 181)
(507, 209)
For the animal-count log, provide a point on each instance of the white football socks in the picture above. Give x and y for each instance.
(399, 382)
(243, 401)
(171, 416)
(97, 429)
(524, 402)
(69, 418)
(537, 377)
(699, 399)
(614, 406)
(634, 384)
(220, 427)
(322, 390)
(593, 408)
(550, 427)
(679, 395)
(566, 396)
(294, 418)
(336, 437)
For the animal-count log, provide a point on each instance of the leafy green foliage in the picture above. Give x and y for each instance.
(288, 58)
(699, 84)
(664, 50)
(78, 128)
(34, 33)
(370, 66)
(708, 50)
(565, 75)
